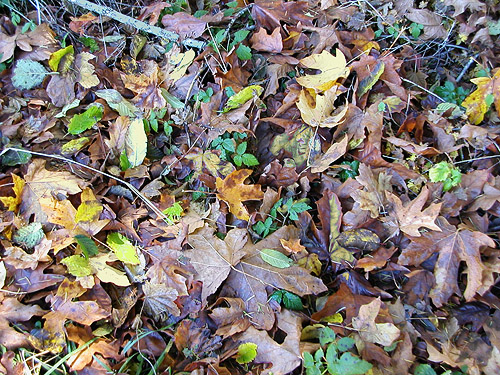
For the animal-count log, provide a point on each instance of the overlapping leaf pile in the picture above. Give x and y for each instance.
(304, 180)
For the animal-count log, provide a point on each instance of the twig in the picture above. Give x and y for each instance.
(467, 66)
(423, 88)
(134, 190)
(139, 25)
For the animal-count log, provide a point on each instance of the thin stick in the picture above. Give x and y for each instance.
(139, 25)
(146, 201)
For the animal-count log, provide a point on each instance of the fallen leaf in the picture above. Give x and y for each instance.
(136, 143)
(87, 77)
(379, 333)
(332, 68)
(13, 202)
(214, 258)
(336, 151)
(432, 22)
(262, 41)
(318, 110)
(477, 103)
(410, 217)
(234, 192)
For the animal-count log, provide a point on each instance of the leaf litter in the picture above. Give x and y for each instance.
(286, 186)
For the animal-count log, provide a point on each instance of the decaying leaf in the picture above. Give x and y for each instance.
(234, 192)
(479, 101)
(410, 217)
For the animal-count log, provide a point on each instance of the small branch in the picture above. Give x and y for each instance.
(131, 187)
(139, 25)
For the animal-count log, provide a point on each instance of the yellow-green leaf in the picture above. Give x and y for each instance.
(12, 202)
(237, 100)
(136, 143)
(74, 145)
(246, 353)
(476, 104)
(56, 57)
(124, 250)
(182, 62)
(89, 209)
(78, 265)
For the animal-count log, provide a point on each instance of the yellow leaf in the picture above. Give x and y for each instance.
(13, 202)
(234, 192)
(89, 209)
(88, 78)
(105, 273)
(182, 60)
(318, 111)
(56, 57)
(476, 104)
(332, 68)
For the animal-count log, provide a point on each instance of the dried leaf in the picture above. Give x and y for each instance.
(332, 68)
(262, 41)
(319, 110)
(234, 192)
(410, 218)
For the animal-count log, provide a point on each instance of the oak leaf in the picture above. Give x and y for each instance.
(234, 192)
(478, 102)
(410, 217)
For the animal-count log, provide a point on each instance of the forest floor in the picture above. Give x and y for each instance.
(231, 188)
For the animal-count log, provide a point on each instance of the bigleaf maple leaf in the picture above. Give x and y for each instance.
(410, 217)
(453, 246)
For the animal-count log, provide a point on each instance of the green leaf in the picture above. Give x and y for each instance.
(228, 144)
(345, 343)
(84, 121)
(308, 360)
(238, 160)
(124, 163)
(349, 365)
(28, 74)
(117, 102)
(424, 369)
(77, 265)
(123, 249)
(175, 102)
(275, 258)
(246, 353)
(242, 147)
(249, 160)
(11, 158)
(331, 355)
(87, 245)
(136, 143)
(292, 301)
(326, 336)
(244, 52)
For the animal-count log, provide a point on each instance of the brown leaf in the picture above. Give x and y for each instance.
(410, 218)
(234, 192)
(214, 258)
(433, 23)
(284, 357)
(461, 5)
(379, 333)
(336, 151)
(230, 320)
(262, 41)
(453, 246)
(183, 24)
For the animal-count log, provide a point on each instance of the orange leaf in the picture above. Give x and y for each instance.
(234, 192)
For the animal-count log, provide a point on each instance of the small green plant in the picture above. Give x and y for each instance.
(426, 369)
(174, 213)
(204, 96)
(289, 209)
(416, 29)
(450, 93)
(288, 299)
(446, 173)
(350, 171)
(232, 147)
(334, 357)
(242, 51)
(90, 43)
(155, 119)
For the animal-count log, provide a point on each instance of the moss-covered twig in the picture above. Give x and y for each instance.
(139, 25)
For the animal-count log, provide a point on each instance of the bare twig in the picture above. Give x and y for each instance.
(139, 25)
(131, 187)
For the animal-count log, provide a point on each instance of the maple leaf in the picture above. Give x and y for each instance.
(411, 217)
(478, 102)
(317, 110)
(453, 246)
(230, 320)
(284, 357)
(234, 192)
(379, 333)
(213, 258)
(332, 68)
(262, 41)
